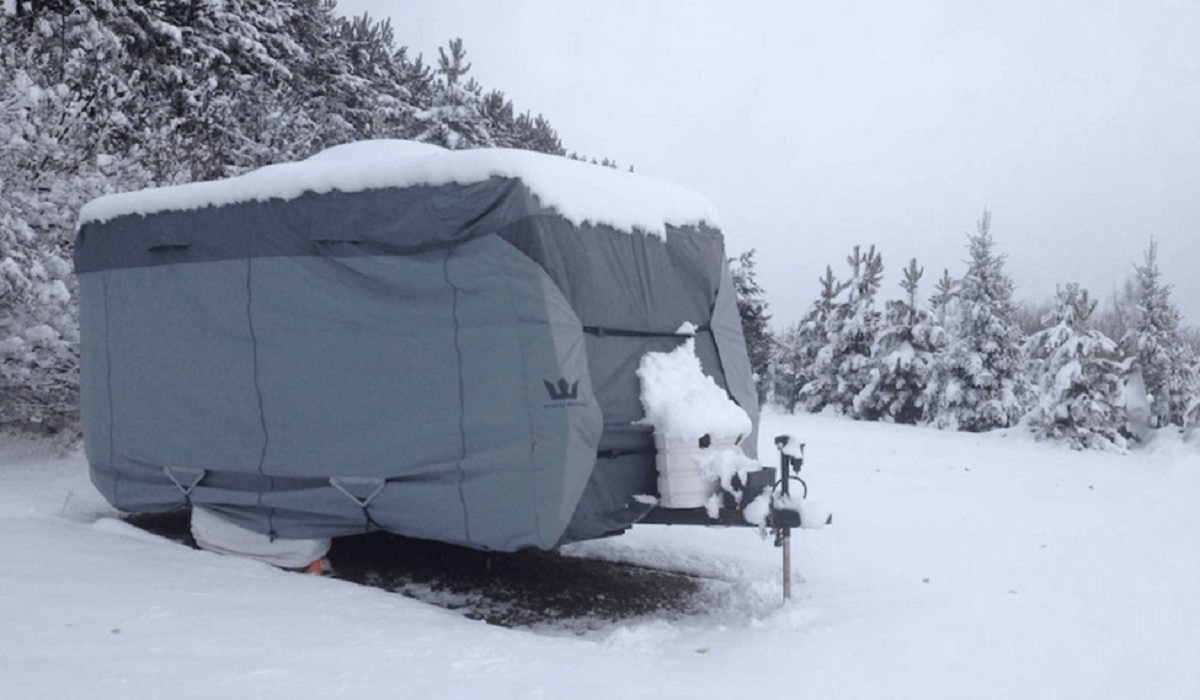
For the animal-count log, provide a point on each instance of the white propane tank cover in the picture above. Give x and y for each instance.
(685, 478)
(681, 480)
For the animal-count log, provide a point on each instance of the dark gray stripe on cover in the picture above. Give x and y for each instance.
(333, 224)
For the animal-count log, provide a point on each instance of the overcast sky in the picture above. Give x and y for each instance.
(815, 126)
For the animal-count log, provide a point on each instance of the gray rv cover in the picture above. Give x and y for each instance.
(391, 336)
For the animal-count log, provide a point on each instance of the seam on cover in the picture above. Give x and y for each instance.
(112, 451)
(530, 414)
(462, 417)
(262, 416)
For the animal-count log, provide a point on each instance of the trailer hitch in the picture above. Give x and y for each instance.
(781, 518)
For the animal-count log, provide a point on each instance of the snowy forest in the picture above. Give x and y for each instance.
(972, 358)
(104, 96)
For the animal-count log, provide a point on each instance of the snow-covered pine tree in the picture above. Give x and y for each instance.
(841, 369)
(1157, 348)
(62, 125)
(501, 121)
(536, 134)
(800, 344)
(1191, 419)
(1191, 415)
(265, 119)
(519, 131)
(753, 310)
(782, 371)
(903, 361)
(1116, 318)
(1080, 380)
(215, 86)
(376, 90)
(332, 96)
(38, 323)
(981, 381)
(942, 303)
(454, 118)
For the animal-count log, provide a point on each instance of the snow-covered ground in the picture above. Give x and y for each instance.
(958, 566)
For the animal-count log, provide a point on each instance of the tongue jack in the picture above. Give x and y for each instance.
(791, 456)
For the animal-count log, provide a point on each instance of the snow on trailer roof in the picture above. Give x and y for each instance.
(579, 191)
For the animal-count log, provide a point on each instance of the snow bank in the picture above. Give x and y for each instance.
(579, 191)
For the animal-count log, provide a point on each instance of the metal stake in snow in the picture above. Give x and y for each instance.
(786, 537)
(790, 454)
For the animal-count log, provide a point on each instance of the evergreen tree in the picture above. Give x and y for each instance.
(520, 131)
(841, 369)
(803, 342)
(1080, 382)
(350, 84)
(942, 303)
(903, 358)
(201, 74)
(753, 311)
(1191, 416)
(981, 382)
(455, 118)
(783, 371)
(61, 121)
(501, 123)
(1158, 349)
(536, 134)
(1116, 318)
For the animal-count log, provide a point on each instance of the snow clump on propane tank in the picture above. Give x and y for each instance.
(682, 402)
